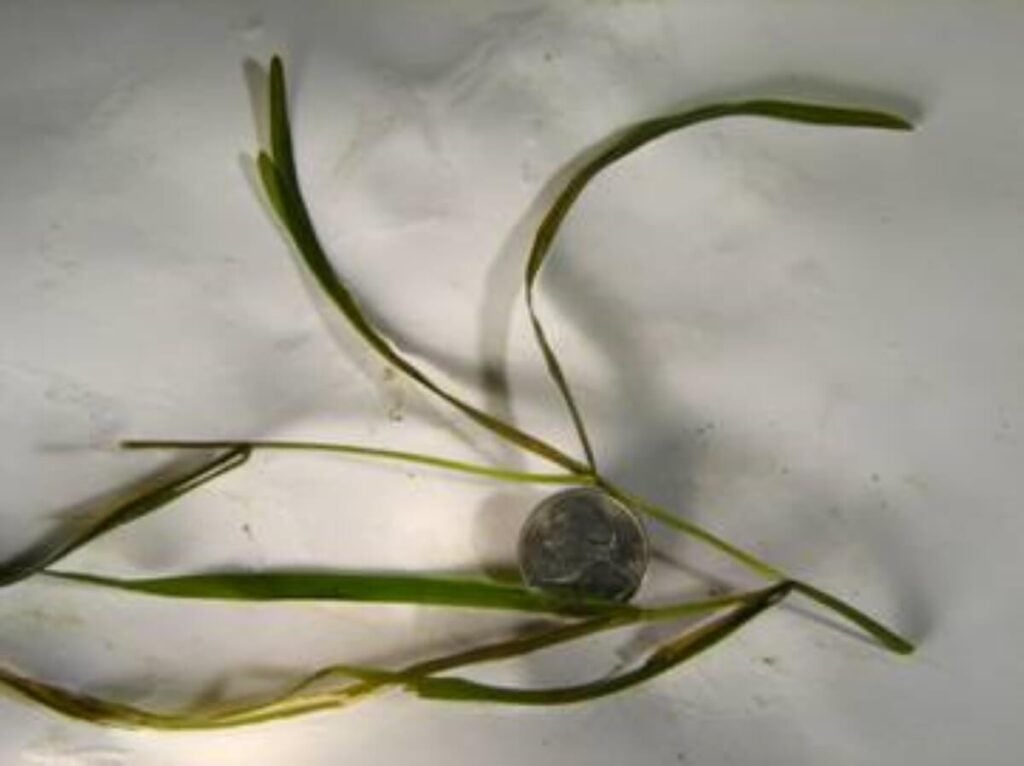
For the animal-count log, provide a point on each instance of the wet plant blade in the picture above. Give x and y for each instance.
(71, 703)
(886, 637)
(280, 180)
(561, 382)
(628, 141)
(502, 474)
(691, 643)
(55, 547)
(548, 637)
(636, 136)
(311, 695)
(282, 188)
(353, 587)
(679, 524)
(87, 707)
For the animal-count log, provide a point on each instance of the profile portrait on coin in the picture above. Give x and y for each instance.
(581, 543)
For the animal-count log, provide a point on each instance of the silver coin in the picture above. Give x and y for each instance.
(582, 543)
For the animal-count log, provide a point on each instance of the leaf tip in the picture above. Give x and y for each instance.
(276, 68)
(901, 646)
(899, 123)
(265, 161)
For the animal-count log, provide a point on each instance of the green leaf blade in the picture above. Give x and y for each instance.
(271, 185)
(97, 710)
(357, 450)
(421, 590)
(53, 548)
(280, 180)
(886, 637)
(308, 695)
(690, 644)
(280, 127)
(639, 134)
(628, 141)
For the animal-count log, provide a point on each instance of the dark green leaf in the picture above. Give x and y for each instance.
(688, 645)
(144, 501)
(882, 634)
(888, 638)
(280, 127)
(628, 141)
(271, 185)
(309, 694)
(687, 527)
(347, 586)
(87, 707)
(280, 180)
(641, 133)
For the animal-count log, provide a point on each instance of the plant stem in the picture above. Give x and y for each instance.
(502, 474)
(668, 518)
(885, 636)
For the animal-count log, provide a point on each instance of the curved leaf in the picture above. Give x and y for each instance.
(885, 636)
(691, 643)
(88, 707)
(629, 140)
(280, 180)
(308, 696)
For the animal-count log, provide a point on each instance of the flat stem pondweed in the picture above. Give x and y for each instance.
(338, 686)
(341, 685)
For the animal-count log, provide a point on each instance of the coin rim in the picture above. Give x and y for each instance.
(604, 497)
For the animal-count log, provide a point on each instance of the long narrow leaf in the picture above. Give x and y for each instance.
(636, 136)
(628, 141)
(55, 547)
(687, 527)
(885, 636)
(280, 180)
(688, 645)
(308, 696)
(502, 474)
(87, 707)
(280, 124)
(353, 587)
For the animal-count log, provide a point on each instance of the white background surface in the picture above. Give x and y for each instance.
(809, 339)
